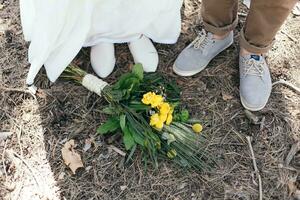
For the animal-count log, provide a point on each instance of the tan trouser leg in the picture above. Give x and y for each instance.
(263, 22)
(219, 16)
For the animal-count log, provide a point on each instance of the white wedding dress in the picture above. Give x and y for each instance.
(58, 29)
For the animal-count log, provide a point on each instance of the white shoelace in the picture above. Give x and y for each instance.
(201, 40)
(254, 68)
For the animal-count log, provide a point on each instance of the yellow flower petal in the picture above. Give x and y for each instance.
(148, 97)
(163, 117)
(156, 101)
(164, 108)
(159, 125)
(169, 119)
(154, 119)
(197, 128)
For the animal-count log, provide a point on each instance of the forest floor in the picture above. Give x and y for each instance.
(34, 129)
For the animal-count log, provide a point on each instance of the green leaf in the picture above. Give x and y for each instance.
(131, 154)
(154, 136)
(139, 107)
(109, 111)
(127, 136)
(184, 115)
(125, 81)
(138, 70)
(126, 86)
(120, 83)
(128, 139)
(122, 122)
(109, 126)
(116, 95)
(130, 85)
(138, 138)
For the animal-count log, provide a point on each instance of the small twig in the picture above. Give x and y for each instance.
(255, 168)
(287, 84)
(294, 149)
(19, 141)
(289, 36)
(252, 117)
(3, 160)
(262, 123)
(117, 150)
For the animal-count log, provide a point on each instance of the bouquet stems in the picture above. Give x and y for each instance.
(128, 113)
(89, 81)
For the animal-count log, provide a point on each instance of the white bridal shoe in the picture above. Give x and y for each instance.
(103, 59)
(144, 52)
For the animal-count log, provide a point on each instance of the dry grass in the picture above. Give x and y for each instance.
(63, 111)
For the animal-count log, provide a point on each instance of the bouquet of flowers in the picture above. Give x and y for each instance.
(145, 109)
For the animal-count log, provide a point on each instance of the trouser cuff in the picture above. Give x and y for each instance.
(220, 30)
(252, 47)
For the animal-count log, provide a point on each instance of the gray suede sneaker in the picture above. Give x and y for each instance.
(195, 57)
(255, 82)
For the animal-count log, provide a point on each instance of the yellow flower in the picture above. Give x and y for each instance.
(197, 128)
(148, 97)
(156, 101)
(172, 153)
(163, 117)
(154, 119)
(159, 125)
(169, 119)
(164, 108)
(152, 99)
(156, 122)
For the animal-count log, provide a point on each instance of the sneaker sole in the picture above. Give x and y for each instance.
(194, 72)
(246, 105)
(188, 73)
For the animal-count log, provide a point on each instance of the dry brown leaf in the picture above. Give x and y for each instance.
(71, 158)
(294, 188)
(226, 97)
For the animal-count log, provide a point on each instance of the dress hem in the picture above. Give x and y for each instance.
(128, 40)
